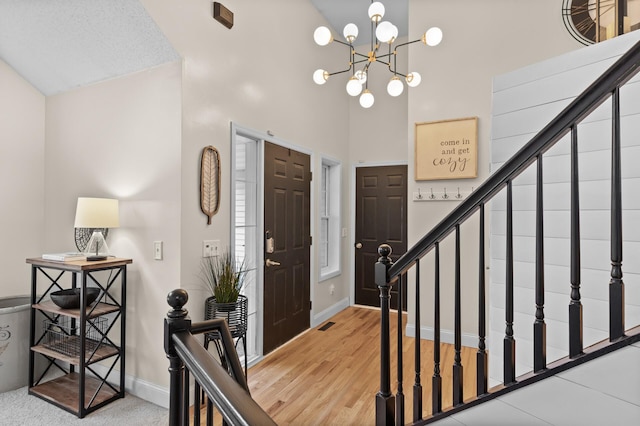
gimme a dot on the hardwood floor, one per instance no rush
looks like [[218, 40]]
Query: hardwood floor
[[331, 377]]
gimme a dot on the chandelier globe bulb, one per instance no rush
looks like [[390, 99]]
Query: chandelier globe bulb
[[384, 32], [320, 76], [432, 37], [322, 36], [350, 32], [394, 34], [366, 99], [361, 75], [395, 86], [354, 88], [413, 79], [376, 11]]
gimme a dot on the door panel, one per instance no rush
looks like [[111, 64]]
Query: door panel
[[381, 217], [287, 189]]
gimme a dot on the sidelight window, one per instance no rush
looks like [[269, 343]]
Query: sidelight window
[[329, 233]]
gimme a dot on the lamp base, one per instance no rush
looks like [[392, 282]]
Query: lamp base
[[95, 258]]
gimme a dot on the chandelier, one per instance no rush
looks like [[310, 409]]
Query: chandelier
[[382, 32]]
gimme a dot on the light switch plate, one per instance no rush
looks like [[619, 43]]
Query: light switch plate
[[157, 250], [210, 248]]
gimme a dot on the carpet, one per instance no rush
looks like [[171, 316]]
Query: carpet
[[20, 408]]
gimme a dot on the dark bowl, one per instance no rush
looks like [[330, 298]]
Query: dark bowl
[[70, 298]]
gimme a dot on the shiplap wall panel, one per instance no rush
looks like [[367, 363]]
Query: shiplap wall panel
[[524, 102], [564, 63]]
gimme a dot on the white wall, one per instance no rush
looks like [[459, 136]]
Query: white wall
[[481, 39], [524, 101], [258, 75], [139, 138], [121, 139], [22, 209]]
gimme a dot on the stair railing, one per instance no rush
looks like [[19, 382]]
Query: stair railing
[[390, 408], [227, 390]]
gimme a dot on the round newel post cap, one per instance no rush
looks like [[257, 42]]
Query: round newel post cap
[[384, 250], [177, 299]]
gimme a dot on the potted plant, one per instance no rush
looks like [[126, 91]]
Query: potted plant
[[225, 276]]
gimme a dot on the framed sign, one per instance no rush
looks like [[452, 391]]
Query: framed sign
[[446, 149]]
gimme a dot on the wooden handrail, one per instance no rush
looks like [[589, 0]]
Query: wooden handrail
[[228, 392], [233, 401]]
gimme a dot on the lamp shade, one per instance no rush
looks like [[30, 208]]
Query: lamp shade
[[97, 213]]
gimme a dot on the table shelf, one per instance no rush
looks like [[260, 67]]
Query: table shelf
[[63, 392], [81, 390]]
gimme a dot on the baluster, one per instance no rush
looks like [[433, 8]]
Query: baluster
[[436, 381], [417, 386], [210, 412], [539, 326], [185, 397], [575, 307], [385, 401], [457, 358], [482, 367], [197, 403], [509, 362], [400, 364], [616, 285]]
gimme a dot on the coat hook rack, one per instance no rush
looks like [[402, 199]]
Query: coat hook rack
[[441, 194]]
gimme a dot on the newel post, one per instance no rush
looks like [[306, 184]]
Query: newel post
[[385, 401], [176, 321]]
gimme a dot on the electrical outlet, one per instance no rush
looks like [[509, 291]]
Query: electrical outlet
[[157, 250], [210, 248], [332, 289]]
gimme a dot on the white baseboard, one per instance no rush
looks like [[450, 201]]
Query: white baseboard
[[321, 317], [140, 388], [446, 336]]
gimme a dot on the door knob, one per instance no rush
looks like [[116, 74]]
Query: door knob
[[270, 262], [358, 245]]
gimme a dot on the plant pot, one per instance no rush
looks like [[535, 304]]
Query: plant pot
[[235, 314]]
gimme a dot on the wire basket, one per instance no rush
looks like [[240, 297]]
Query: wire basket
[[63, 336], [234, 313]]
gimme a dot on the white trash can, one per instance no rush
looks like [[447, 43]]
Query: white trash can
[[14, 342]]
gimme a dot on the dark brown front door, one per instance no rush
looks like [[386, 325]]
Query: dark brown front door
[[381, 217], [287, 189]]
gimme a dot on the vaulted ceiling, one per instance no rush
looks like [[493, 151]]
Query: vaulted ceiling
[[58, 45]]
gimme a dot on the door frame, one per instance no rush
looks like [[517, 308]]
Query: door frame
[[352, 218], [260, 137]]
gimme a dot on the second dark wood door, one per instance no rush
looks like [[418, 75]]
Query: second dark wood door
[[287, 198], [381, 217]]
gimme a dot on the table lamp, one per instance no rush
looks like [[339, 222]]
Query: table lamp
[[96, 215]]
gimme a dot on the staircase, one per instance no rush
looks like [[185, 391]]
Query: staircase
[[603, 391], [405, 273]]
